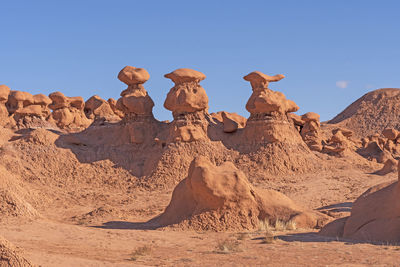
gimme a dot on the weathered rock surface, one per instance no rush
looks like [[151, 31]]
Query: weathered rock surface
[[211, 192], [187, 96], [371, 113], [135, 100], [98, 109], [68, 112], [11, 256], [375, 216]]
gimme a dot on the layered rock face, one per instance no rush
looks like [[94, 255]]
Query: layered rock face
[[211, 192], [375, 216], [68, 112], [188, 102], [268, 121]]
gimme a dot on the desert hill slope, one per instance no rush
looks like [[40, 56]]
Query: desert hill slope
[[371, 113]]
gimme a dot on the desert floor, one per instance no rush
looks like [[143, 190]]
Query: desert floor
[[110, 233]]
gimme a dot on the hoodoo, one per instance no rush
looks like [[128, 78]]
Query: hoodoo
[[68, 112], [188, 102], [135, 101], [268, 121]]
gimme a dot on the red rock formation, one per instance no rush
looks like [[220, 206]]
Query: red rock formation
[[98, 109], [188, 102], [269, 121], [375, 216], [68, 112], [4, 92], [135, 100], [310, 132], [187, 96], [211, 192]]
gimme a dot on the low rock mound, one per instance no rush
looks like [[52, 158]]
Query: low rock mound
[[13, 198], [221, 198], [371, 113], [10, 255], [375, 216]]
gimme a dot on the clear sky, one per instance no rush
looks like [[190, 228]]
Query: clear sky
[[332, 52]]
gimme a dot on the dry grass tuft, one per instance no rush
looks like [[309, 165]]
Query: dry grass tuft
[[268, 229], [227, 246], [277, 226], [140, 252]]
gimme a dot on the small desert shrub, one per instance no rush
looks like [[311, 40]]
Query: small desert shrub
[[278, 226], [140, 251], [264, 226], [269, 238], [228, 246], [283, 226]]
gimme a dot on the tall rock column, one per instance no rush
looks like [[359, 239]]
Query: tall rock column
[[137, 105], [188, 102], [268, 121]]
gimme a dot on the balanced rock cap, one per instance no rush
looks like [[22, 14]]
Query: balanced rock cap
[[310, 116], [131, 75], [185, 75], [259, 77]]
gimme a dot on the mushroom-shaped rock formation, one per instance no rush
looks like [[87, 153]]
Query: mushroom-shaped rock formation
[[187, 96], [4, 92], [269, 120], [375, 216], [98, 109], [339, 143], [38, 108], [135, 100], [211, 192], [310, 131], [188, 102], [18, 100], [68, 112], [264, 100], [29, 110]]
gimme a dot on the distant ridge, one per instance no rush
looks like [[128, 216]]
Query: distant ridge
[[371, 113]]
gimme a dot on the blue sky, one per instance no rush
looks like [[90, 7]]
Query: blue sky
[[332, 52]]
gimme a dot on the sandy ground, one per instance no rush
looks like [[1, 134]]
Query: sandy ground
[[101, 240], [54, 244], [85, 221]]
